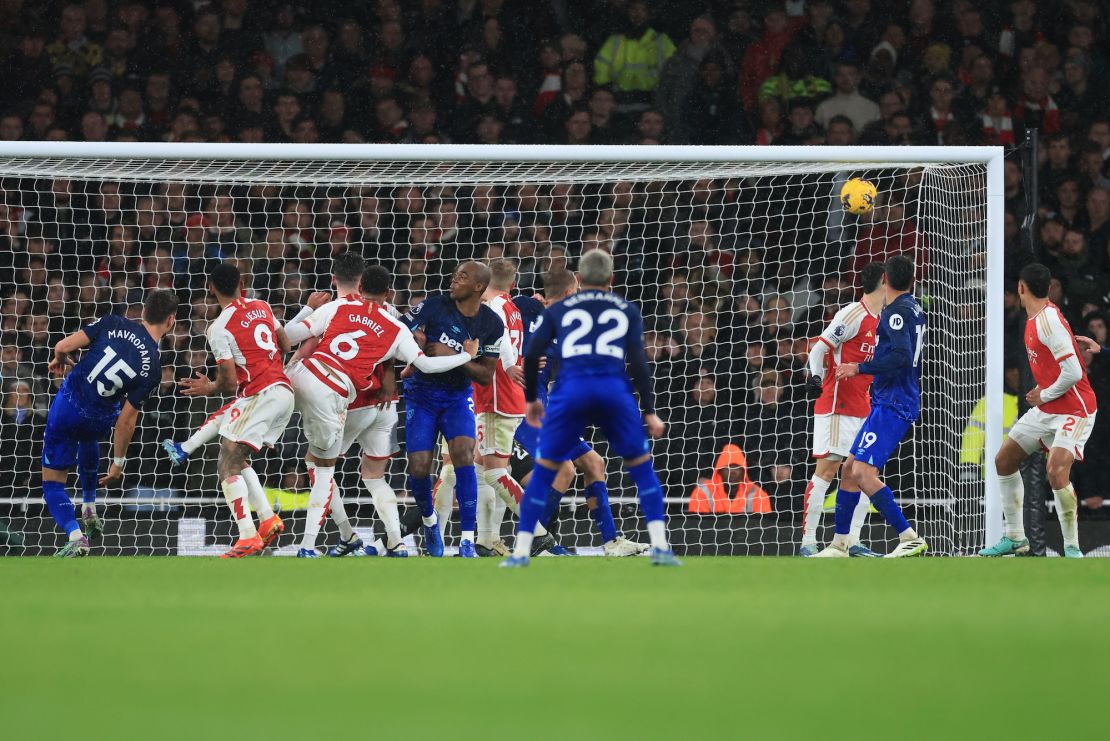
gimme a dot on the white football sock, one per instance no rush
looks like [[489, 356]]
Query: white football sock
[[1066, 509], [257, 495], [657, 532], [497, 510], [487, 499], [859, 516], [502, 484], [385, 504], [205, 434], [445, 498], [1013, 500], [317, 503], [523, 546], [339, 514], [467, 535], [816, 491], [236, 494], [842, 541]]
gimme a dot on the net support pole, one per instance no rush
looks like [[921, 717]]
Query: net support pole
[[992, 509]]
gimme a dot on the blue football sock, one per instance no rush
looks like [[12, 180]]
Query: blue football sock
[[883, 500], [846, 502], [534, 503], [88, 466], [60, 507], [649, 490], [603, 514], [466, 492], [421, 489], [554, 498]]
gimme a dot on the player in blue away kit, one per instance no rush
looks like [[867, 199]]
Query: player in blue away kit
[[105, 389], [600, 343], [443, 402], [558, 285], [895, 406]]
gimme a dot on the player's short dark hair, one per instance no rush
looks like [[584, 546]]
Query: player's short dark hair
[[1036, 278], [899, 272], [871, 276], [556, 283], [159, 306], [225, 279], [375, 280], [347, 267]]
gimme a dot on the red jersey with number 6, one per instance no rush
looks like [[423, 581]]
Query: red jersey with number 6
[[503, 395], [244, 333], [355, 336], [1049, 341]]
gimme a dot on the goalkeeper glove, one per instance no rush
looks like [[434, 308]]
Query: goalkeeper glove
[[813, 386]]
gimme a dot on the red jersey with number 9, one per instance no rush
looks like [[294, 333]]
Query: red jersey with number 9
[[503, 395], [245, 334], [355, 336]]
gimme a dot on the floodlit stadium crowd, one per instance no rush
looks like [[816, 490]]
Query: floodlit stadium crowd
[[735, 278]]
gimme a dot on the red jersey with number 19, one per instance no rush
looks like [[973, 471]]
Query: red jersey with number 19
[[244, 334], [1049, 341], [503, 395]]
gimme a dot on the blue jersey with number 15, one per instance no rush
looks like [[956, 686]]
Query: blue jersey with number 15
[[120, 363]]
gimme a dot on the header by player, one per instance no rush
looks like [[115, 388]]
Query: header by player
[[895, 406]]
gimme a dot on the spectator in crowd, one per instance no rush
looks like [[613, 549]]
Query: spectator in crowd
[[678, 81], [633, 59], [847, 100]]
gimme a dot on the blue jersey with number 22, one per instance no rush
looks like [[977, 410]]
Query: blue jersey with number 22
[[598, 339]]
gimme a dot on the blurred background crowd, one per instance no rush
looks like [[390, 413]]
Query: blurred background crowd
[[736, 275]]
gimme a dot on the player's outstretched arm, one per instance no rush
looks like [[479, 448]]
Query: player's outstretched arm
[[63, 352], [225, 384], [408, 352], [121, 441]]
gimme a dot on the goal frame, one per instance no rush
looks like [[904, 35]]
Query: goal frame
[[991, 157]]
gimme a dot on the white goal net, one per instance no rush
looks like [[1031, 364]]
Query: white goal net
[[737, 259]]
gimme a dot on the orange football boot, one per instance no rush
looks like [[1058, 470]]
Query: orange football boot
[[270, 529], [245, 547]]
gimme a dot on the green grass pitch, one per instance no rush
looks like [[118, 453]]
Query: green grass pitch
[[756, 648]]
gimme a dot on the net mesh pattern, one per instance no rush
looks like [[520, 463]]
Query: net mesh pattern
[[737, 268]]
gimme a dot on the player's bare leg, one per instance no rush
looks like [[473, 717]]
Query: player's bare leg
[[322, 478], [1007, 463], [1058, 466], [372, 472], [234, 457], [824, 473]]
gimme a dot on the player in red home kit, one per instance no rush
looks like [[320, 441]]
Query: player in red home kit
[[243, 339], [355, 337], [843, 404], [1060, 420]]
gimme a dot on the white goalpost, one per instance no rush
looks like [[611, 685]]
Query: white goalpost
[[738, 256]]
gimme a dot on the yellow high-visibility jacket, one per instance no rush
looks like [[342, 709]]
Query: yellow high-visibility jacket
[[974, 440], [632, 65]]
